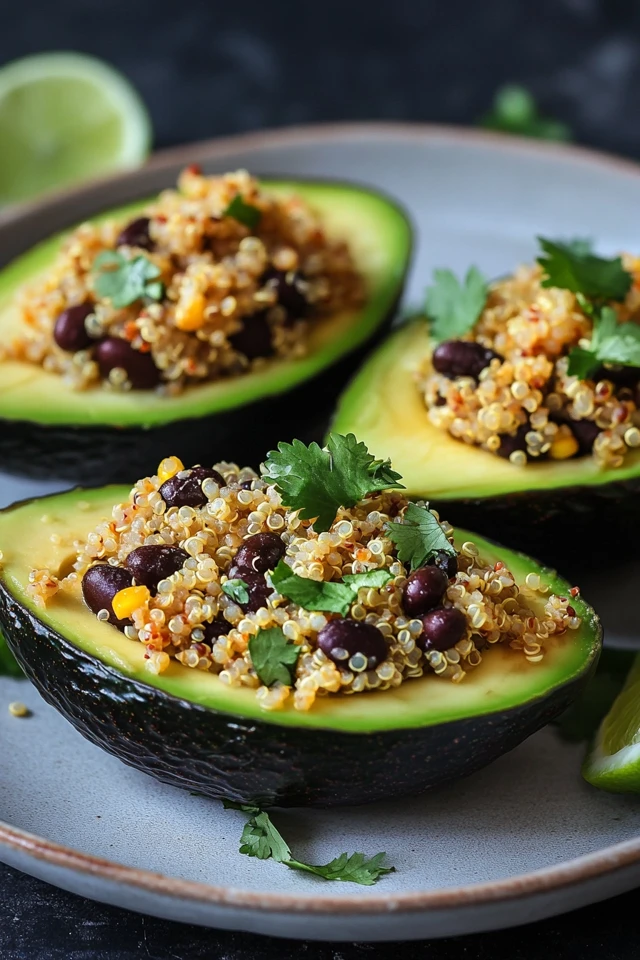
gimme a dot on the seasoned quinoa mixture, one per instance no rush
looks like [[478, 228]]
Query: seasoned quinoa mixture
[[208, 281], [506, 386], [162, 566]]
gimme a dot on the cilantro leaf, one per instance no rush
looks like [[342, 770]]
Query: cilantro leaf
[[583, 272], [244, 213], [261, 839], [453, 307], [237, 589], [418, 537], [581, 246], [124, 281], [515, 111], [317, 481], [273, 657], [372, 578], [353, 869], [611, 342], [312, 594]]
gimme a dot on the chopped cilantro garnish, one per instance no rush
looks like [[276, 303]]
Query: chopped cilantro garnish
[[453, 307], [236, 589], [329, 596], [273, 657], [318, 481], [244, 213], [261, 839], [515, 111], [611, 342], [124, 281], [418, 537], [581, 271]]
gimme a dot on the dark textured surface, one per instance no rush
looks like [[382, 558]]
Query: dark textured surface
[[250, 761], [214, 68]]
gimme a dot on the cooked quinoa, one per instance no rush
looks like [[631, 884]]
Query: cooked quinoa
[[224, 296], [188, 617], [522, 404]]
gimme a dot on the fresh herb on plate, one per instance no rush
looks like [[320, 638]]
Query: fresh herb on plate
[[330, 596], [515, 111], [124, 281], [244, 213], [582, 271], [273, 657], [8, 664], [611, 342], [453, 308], [418, 536], [318, 481], [237, 589], [261, 839]]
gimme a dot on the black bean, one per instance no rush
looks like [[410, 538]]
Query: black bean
[[115, 352], [152, 563], [442, 629], [511, 442], [216, 628], [462, 358], [254, 337], [257, 588], [100, 585], [187, 491], [136, 234], [618, 376], [287, 287], [69, 331], [260, 553], [585, 432], [342, 639], [447, 563], [423, 590]]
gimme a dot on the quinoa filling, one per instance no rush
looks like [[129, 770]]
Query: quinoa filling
[[535, 376], [207, 282], [212, 568]]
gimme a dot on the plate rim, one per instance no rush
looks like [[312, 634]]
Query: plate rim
[[604, 862]]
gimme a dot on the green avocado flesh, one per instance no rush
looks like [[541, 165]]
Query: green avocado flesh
[[503, 681], [385, 410], [379, 236]]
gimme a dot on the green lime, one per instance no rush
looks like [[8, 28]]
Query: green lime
[[614, 760], [65, 117]]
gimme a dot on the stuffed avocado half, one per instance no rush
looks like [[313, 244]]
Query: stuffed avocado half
[[516, 407], [200, 322], [250, 637]]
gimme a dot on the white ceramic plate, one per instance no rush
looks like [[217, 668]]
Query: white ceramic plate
[[523, 839]]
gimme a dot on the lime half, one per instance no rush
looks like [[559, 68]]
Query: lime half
[[64, 118], [614, 760]]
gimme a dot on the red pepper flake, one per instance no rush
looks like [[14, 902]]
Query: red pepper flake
[[571, 611], [160, 217], [147, 656], [194, 169], [575, 591], [499, 566]]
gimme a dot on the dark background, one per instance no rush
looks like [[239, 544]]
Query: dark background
[[212, 68]]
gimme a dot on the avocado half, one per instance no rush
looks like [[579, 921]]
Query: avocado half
[[48, 429], [187, 728], [567, 512]]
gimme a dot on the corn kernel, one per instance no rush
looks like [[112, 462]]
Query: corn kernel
[[128, 600], [563, 447], [191, 316], [169, 467]]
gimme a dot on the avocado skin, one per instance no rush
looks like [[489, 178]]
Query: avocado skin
[[101, 454], [255, 762]]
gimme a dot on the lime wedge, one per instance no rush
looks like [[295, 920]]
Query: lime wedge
[[64, 118], [614, 760]]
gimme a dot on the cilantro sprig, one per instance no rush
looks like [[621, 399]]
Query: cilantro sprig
[[611, 342], [274, 658], [318, 481], [237, 589], [576, 268], [243, 212], [124, 281], [418, 536], [261, 839], [329, 596], [453, 308]]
